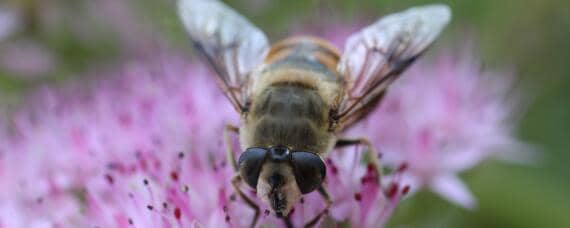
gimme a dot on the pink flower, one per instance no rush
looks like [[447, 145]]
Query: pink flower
[[359, 196], [443, 118], [144, 146], [68, 137]]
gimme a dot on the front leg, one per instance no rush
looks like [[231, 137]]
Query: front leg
[[230, 155], [328, 202], [235, 183], [373, 156]]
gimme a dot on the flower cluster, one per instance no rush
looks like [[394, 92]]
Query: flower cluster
[[443, 118], [76, 144], [143, 146]]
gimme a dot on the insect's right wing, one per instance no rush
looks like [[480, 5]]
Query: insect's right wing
[[379, 53], [229, 42]]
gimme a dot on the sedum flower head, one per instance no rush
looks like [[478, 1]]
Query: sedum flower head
[[445, 117], [143, 146]]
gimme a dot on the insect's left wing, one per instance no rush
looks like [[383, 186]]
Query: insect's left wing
[[378, 54], [229, 42]]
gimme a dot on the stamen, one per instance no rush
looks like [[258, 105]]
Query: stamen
[[402, 167], [358, 197], [392, 190], [370, 167], [406, 190], [109, 178], [177, 213], [185, 188], [174, 175], [334, 170], [333, 167]]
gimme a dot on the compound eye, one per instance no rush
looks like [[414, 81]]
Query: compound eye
[[309, 169], [250, 163]]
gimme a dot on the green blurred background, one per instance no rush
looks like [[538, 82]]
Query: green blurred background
[[530, 37]]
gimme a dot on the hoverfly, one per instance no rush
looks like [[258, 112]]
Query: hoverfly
[[296, 97]]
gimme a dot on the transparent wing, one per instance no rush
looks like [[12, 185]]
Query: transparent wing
[[228, 41], [378, 54]]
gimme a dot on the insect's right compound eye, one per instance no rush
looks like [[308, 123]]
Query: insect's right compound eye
[[250, 163]]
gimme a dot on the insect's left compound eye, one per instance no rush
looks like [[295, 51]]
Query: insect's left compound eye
[[250, 163], [309, 169]]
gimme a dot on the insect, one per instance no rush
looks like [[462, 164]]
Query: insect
[[297, 96]]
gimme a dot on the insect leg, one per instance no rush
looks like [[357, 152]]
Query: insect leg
[[373, 156], [235, 183], [230, 155], [287, 221], [328, 202]]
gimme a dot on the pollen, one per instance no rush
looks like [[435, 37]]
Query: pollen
[[185, 188]]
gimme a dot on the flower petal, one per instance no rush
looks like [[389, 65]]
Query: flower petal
[[453, 189]]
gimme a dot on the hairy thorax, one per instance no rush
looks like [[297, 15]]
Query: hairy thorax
[[291, 115], [292, 96]]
